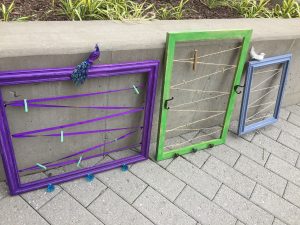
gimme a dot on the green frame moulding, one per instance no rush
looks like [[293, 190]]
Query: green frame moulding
[[174, 37]]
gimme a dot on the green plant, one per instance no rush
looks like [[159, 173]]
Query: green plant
[[251, 8], [169, 11], [288, 9], [6, 11], [103, 9]]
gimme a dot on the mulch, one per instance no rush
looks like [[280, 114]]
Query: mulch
[[44, 11]]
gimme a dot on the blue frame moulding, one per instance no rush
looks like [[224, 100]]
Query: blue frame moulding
[[285, 61]]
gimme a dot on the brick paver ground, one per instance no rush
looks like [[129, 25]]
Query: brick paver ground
[[252, 180]]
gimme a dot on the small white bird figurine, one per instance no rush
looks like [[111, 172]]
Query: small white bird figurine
[[256, 56]]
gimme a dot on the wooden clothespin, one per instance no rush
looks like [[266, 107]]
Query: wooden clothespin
[[195, 59]]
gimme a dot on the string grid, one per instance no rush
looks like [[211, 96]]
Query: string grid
[[261, 107], [195, 127], [80, 157]]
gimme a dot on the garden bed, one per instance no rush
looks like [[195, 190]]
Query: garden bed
[[53, 10]]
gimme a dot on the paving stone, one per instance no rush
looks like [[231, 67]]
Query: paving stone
[[3, 190], [294, 109], [39, 197], [241, 208], [271, 132], [247, 148], [224, 153], [125, 184], [160, 210], [83, 191], [229, 176], [63, 209], [294, 119], [158, 178], [284, 113], [284, 169], [276, 148], [202, 209], [278, 222], [234, 128], [298, 163], [240, 223], [15, 211], [113, 210], [288, 127], [193, 176], [289, 141], [152, 155], [261, 175], [292, 194], [274, 204], [198, 158]]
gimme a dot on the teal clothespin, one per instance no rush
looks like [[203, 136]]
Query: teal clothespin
[[41, 166], [50, 188], [90, 177], [61, 136], [25, 105], [79, 161], [136, 90], [124, 167]]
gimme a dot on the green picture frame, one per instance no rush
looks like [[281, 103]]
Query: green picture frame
[[172, 39]]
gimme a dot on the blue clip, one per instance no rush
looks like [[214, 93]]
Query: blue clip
[[61, 136], [41, 166], [124, 167], [25, 105], [90, 177], [136, 90], [79, 161], [50, 188]]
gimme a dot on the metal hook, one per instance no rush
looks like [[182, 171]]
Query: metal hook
[[166, 102], [238, 86]]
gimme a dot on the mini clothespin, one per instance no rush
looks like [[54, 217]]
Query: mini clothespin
[[61, 136], [41, 166], [50, 188], [136, 90], [90, 177], [124, 167], [79, 161], [195, 59], [25, 105]]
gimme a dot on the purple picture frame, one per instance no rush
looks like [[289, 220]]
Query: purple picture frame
[[150, 67]]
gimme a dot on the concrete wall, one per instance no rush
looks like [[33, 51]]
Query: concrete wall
[[60, 44]]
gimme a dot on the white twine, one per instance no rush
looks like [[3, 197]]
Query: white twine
[[193, 110], [198, 78], [215, 53], [182, 143], [199, 91], [201, 100], [205, 63], [197, 121], [252, 89]]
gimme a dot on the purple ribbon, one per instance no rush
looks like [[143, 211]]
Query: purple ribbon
[[76, 133], [78, 123], [18, 102], [85, 158]]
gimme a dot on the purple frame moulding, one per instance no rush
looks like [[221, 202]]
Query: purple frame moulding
[[281, 59], [150, 67]]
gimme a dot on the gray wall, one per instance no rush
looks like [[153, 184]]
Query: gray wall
[[60, 44]]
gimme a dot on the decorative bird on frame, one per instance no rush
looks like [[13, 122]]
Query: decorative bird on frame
[[80, 73], [256, 56]]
